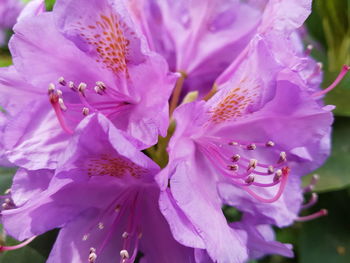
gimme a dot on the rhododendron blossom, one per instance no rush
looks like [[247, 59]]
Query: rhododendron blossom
[[86, 65], [103, 196], [87, 97]]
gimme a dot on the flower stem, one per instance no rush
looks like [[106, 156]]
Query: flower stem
[[211, 93], [177, 92]]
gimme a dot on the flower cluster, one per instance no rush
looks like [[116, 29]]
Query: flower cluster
[[87, 99]]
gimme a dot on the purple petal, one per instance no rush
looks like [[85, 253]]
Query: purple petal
[[197, 203], [34, 143], [28, 184]]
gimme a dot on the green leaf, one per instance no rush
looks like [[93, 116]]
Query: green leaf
[[22, 255], [43, 243], [329, 24], [231, 213], [335, 173], [191, 96], [49, 4], [5, 61], [315, 27], [6, 175], [327, 239], [340, 95]]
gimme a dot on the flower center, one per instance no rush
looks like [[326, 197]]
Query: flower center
[[72, 102], [109, 36], [114, 166]]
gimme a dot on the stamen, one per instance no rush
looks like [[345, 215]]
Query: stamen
[[233, 167], [283, 157], [317, 70], [124, 254], [278, 175], [322, 212], [319, 66], [62, 81], [98, 90], [308, 50], [125, 235], [92, 255], [252, 169], [251, 147], [252, 164], [270, 144], [82, 87], [283, 183], [250, 179], [72, 86], [23, 244], [266, 185], [86, 111], [51, 88], [310, 187], [58, 107], [7, 203], [341, 75], [62, 105], [313, 200], [101, 225], [270, 169], [101, 85], [59, 93], [236, 158]]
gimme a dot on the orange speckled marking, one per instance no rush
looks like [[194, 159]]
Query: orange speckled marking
[[113, 166], [109, 37], [235, 103]]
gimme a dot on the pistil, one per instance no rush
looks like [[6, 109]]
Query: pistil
[[23, 244], [341, 75]]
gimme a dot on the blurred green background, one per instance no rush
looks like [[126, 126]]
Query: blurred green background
[[323, 240]]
